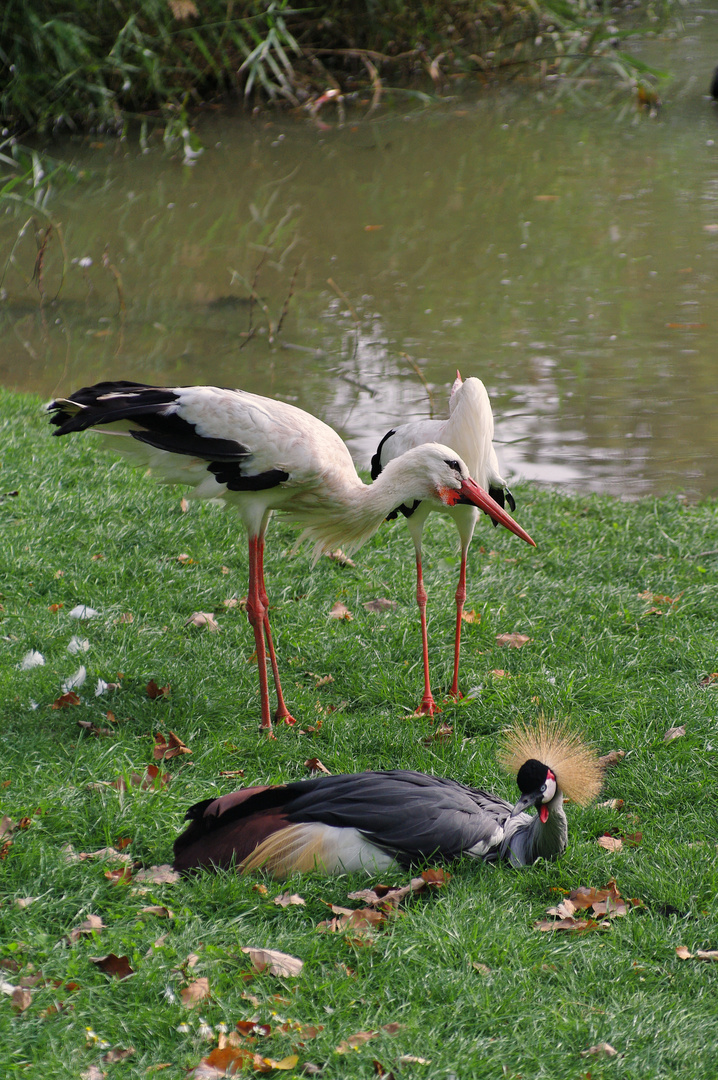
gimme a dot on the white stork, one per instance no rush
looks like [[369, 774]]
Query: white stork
[[469, 431], [262, 455], [375, 821]]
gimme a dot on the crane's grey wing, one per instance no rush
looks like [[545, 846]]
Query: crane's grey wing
[[411, 815]]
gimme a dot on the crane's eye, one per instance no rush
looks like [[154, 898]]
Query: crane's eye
[[543, 787]]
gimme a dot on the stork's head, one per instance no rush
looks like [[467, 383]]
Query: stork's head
[[447, 480], [538, 787]]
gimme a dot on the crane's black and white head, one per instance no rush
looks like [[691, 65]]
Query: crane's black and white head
[[538, 787], [549, 761]]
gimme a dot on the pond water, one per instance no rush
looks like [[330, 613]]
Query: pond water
[[562, 247]]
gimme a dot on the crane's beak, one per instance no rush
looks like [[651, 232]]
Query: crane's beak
[[471, 493], [533, 798]]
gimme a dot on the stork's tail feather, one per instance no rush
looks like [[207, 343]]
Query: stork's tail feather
[[575, 764]]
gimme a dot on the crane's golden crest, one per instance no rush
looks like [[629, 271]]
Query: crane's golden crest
[[576, 765]]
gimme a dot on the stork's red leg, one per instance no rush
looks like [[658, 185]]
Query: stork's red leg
[[257, 613], [460, 601], [282, 712], [427, 705]]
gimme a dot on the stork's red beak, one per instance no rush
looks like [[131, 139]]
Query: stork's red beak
[[472, 493]]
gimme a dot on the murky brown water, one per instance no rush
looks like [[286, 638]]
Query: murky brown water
[[564, 251]]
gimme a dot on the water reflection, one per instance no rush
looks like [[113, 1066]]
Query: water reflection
[[568, 256]]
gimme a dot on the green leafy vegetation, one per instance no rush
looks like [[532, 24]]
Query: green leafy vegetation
[[618, 603], [99, 65]]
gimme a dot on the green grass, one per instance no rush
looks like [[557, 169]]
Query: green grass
[[624, 676]]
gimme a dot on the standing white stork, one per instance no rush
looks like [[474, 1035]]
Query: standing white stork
[[374, 821], [469, 431], [262, 455]]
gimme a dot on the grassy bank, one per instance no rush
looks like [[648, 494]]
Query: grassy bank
[[99, 66], [619, 603]]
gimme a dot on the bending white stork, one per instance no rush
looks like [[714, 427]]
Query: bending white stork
[[262, 455], [469, 431], [374, 821]]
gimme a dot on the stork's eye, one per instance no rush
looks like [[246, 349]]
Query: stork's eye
[[454, 465]]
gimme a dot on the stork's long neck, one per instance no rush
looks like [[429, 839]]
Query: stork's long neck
[[351, 512], [534, 839]]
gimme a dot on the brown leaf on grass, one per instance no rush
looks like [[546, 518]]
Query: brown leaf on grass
[[122, 876], [92, 729], [674, 733], [357, 920], [154, 691], [410, 1059], [118, 1054], [93, 1073], [195, 992], [159, 910], [323, 680], [185, 560], [603, 1049], [483, 969], [612, 758], [611, 804], [709, 680], [514, 641], [72, 856], [340, 557], [380, 605], [24, 901], [54, 608], [340, 611], [314, 765], [700, 954], [152, 778], [117, 966], [577, 925], [65, 700], [234, 602], [93, 924], [361, 1037], [126, 617], [610, 843], [442, 734], [21, 999], [203, 618], [184, 505], [289, 899], [232, 774], [277, 963], [221, 1062], [158, 875], [471, 616], [7, 825], [166, 749], [436, 878], [499, 673]]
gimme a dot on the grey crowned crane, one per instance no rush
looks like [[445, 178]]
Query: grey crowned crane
[[374, 821], [469, 430], [262, 455]]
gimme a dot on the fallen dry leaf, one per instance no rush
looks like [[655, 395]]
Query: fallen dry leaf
[[184, 505], [126, 617], [289, 899], [165, 750], [604, 1049], [674, 733], [611, 804], [117, 966], [158, 875], [152, 778], [122, 876], [203, 618], [159, 910], [347, 1045], [277, 963], [483, 969], [65, 700], [234, 602], [195, 992], [514, 641], [340, 557], [700, 954], [93, 924], [380, 605], [118, 1054], [577, 925], [185, 560], [610, 843], [340, 611], [21, 999], [155, 691], [442, 734], [612, 758], [471, 616], [93, 1073], [314, 765]]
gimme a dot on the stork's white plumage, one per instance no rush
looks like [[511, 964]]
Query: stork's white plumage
[[374, 821], [469, 431], [262, 455]]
